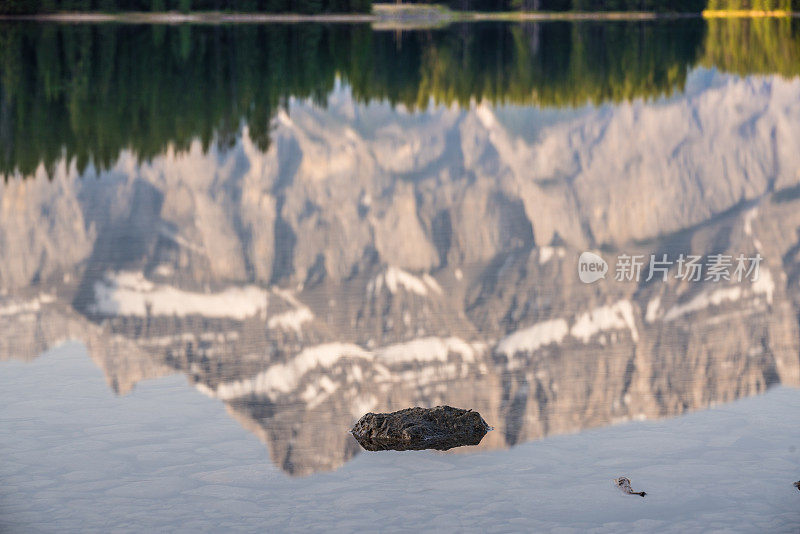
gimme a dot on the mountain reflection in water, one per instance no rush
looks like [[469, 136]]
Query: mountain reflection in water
[[358, 257]]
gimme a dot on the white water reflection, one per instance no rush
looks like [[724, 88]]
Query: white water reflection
[[77, 458]]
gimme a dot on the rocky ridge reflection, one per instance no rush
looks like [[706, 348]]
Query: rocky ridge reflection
[[372, 260]]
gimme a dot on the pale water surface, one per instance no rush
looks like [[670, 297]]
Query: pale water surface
[[220, 246]]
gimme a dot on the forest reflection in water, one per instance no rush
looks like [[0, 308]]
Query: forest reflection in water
[[93, 90], [336, 255]]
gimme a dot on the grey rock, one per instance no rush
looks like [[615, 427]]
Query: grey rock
[[440, 428]]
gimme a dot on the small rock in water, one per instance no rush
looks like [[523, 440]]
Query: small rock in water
[[797, 484], [624, 484], [414, 429]]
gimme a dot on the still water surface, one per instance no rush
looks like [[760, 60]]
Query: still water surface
[[221, 245]]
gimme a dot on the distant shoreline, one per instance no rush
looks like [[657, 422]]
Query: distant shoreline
[[745, 13], [384, 15]]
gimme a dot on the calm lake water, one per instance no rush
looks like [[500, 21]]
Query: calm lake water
[[221, 245]]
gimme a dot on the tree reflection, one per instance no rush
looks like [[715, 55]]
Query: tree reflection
[[90, 91]]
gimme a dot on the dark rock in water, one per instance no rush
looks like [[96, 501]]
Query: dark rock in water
[[414, 429], [797, 484]]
